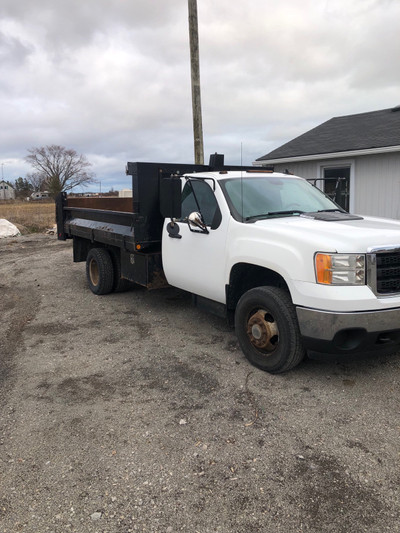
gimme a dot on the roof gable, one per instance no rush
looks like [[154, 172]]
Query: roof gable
[[3, 183], [376, 129]]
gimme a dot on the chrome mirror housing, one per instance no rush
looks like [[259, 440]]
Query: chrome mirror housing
[[195, 220]]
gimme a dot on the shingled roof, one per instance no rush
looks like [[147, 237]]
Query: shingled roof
[[364, 131]]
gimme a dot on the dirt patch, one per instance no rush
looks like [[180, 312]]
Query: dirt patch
[[136, 412]]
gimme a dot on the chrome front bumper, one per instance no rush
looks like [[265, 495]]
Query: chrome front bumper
[[332, 332]]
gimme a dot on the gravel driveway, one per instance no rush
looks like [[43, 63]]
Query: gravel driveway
[[137, 412]]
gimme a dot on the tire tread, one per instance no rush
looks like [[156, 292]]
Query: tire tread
[[281, 299], [106, 271]]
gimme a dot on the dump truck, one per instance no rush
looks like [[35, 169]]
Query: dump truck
[[293, 272]]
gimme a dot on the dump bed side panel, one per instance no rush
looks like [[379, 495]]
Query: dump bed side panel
[[107, 203]]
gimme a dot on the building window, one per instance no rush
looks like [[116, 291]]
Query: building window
[[337, 185]]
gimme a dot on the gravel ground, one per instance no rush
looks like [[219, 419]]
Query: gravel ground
[[137, 412]]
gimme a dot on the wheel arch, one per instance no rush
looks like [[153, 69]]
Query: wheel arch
[[246, 276], [82, 246]]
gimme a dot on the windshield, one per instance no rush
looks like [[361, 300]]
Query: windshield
[[263, 197]]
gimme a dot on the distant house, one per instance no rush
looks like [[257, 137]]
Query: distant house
[[40, 195], [6, 191], [358, 156]]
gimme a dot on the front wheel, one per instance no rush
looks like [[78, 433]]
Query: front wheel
[[267, 329]]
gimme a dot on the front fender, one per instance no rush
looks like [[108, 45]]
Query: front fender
[[267, 249]]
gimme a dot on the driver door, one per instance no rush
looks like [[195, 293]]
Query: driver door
[[195, 259]]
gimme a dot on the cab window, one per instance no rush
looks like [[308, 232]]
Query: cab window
[[197, 195]]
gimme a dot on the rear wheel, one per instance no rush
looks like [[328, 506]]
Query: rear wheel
[[99, 271], [267, 329]]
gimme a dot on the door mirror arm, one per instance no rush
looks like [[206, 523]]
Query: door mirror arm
[[173, 229]]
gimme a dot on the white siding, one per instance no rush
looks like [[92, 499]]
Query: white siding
[[306, 169], [378, 185]]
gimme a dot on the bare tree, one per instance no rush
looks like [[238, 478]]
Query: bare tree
[[58, 168], [36, 180]]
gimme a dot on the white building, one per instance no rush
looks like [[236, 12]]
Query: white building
[[358, 156], [40, 195], [125, 193], [6, 191]]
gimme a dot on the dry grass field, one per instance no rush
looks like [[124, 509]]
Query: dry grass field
[[29, 217]]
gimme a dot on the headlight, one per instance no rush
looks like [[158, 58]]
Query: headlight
[[340, 269]]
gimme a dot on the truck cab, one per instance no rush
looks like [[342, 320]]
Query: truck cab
[[290, 269], [264, 244]]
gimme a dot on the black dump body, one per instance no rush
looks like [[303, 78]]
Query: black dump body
[[123, 222], [127, 222]]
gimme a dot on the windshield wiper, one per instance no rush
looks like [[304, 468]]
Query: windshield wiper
[[290, 212], [274, 213]]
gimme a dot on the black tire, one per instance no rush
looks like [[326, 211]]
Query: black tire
[[120, 284], [267, 329], [99, 271]]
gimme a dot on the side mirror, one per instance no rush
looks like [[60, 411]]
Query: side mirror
[[195, 220], [170, 197]]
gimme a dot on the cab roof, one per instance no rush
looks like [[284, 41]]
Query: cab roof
[[242, 174]]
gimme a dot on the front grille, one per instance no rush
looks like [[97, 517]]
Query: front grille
[[388, 272]]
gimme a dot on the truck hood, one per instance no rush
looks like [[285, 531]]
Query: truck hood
[[334, 236]]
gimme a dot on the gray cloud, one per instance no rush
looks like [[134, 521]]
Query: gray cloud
[[112, 80]]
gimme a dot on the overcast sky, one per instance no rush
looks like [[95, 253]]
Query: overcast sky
[[111, 79]]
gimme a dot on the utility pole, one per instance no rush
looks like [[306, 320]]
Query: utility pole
[[195, 74]]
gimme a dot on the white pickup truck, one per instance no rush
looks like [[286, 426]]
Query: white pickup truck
[[292, 270]]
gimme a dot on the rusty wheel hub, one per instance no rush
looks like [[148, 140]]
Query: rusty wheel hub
[[94, 272], [263, 331]]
